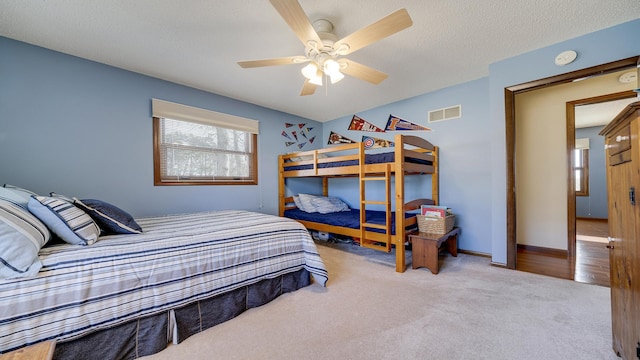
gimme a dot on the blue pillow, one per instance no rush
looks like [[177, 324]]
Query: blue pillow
[[66, 220], [15, 195], [23, 235], [327, 205], [110, 218]]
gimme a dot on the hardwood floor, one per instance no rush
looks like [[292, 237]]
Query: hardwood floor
[[591, 264]]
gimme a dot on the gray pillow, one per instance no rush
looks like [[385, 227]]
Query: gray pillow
[[327, 205], [66, 220], [23, 235]]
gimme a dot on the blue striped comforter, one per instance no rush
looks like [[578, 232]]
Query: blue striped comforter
[[176, 260]]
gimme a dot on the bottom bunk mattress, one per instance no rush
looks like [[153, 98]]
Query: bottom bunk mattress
[[348, 219], [177, 261]]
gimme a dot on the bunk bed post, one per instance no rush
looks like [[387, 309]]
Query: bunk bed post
[[325, 186], [281, 191], [435, 178], [399, 178]]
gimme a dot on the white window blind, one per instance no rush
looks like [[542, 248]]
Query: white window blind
[[170, 110]]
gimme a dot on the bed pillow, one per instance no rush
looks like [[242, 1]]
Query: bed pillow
[[23, 235], [66, 220], [296, 200], [306, 203], [15, 195], [110, 218], [307, 157], [327, 205]]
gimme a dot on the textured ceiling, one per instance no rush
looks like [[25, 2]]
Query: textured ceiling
[[198, 42]]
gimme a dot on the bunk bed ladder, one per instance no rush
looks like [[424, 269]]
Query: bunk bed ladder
[[375, 239]]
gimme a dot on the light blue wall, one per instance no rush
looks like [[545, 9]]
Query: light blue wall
[[464, 155], [473, 180], [81, 128], [84, 129], [607, 45], [595, 205]]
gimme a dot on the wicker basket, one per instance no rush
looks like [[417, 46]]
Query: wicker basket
[[435, 225]]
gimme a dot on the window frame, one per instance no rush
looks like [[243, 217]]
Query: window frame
[[584, 179], [157, 162]]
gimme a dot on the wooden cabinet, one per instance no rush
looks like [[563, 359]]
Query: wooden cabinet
[[622, 144]]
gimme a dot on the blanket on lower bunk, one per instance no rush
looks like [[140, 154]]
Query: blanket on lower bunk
[[349, 219], [176, 260]]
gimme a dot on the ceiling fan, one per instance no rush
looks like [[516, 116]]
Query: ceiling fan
[[323, 50]]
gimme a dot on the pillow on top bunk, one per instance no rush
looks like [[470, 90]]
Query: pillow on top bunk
[[23, 235], [307, 157], [64, 219], [110, 218]]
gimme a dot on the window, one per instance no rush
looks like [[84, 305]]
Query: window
[[197, 150], [581, 171]]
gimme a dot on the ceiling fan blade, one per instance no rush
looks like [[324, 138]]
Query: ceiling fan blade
[[362, 72], [387, 26], [294, 15], [271, 62], [308, 88]]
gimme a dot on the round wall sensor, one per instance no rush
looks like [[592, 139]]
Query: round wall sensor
[[629, 76], [566, 57]]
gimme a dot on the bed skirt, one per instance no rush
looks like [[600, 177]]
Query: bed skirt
[[151, 334]]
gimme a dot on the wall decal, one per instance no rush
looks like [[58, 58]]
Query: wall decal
[[335, 138], [284, 133], [398, 124], [374, 143], [298, 134], [358, 123]]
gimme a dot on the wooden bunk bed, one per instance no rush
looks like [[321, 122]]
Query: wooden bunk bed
[[411, 156]]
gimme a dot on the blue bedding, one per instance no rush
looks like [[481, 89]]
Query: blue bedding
[[379, 158], [349, 219]]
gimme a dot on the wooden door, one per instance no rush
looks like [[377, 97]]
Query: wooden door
[[623, 178]]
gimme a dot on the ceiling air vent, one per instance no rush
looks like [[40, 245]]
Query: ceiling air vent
[[449, 113]]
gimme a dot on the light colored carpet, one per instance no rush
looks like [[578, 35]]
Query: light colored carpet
[[470, 310]]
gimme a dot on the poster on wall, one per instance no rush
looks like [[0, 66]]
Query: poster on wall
[[335, 138], [374, 143], [297, 134], [358, 123], [396, 123]]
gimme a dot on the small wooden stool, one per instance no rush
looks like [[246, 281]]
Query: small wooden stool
[[426, 247]]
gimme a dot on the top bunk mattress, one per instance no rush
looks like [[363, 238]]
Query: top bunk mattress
[[380, 158]]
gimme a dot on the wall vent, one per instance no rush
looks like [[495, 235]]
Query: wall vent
[[452, 112]]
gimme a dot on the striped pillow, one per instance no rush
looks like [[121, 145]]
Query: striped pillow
[[23, 235], [66, 220]]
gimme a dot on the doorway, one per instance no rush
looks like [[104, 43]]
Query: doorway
[[510, 111]]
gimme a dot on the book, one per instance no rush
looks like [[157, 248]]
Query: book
[[434, 211]]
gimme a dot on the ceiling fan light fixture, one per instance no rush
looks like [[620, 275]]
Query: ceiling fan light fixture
[[310, 71], [317, 79], [336, 77]]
